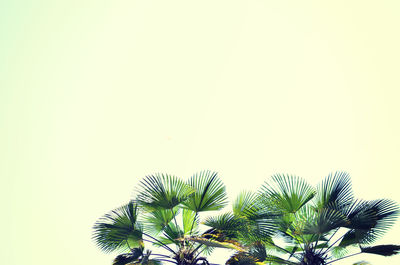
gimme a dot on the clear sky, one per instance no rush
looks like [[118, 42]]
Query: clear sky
[[94, 95]]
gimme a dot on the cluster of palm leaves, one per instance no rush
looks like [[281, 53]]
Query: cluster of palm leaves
[[287, 221], [163, 214]]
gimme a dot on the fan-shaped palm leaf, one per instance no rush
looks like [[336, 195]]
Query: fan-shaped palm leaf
[[172, 234], [118, 229], [209, 192], [368, 220], [288, 193], [339, 251], [378, 215], [162, 191], [334, 189], [356, 236], [321, 221], [261, 215], [245, 204], [156, 220], [225, 226]]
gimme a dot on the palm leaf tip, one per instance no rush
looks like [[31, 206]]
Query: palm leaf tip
[[383, 250]]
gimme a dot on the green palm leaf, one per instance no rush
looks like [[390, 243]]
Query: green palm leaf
[[162, 191], [118, 229], [157, 219], [225, 226], [322, 221], [339, 251], [288, 193], [190, 221], [209, 192], [245, 204], [172, 234]]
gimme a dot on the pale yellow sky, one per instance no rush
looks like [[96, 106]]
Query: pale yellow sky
[[94, 95]]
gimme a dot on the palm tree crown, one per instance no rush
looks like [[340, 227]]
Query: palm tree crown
[[290, 222], [164, 214]]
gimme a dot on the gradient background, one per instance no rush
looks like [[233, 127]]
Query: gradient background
[[97, 94]]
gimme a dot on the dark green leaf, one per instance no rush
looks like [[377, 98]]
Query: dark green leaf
[[383, 250]]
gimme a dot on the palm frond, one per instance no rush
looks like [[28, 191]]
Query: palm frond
[[339, 251], [262, 217], [118, 229], [288, 193], [171, 234], [257, 250], [225, 226], [368, 220], [377, 214], [157, 219], [322, 221], [163, 191], [128, 257], [245, 204], [383, 250], [209, 192], [335, 188], [206, 250], [356, 236], [147, 261]]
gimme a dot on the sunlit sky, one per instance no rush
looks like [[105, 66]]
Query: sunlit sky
[[95, 95]]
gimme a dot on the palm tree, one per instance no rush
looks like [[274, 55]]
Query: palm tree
[[163, 214], [290, 222]]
